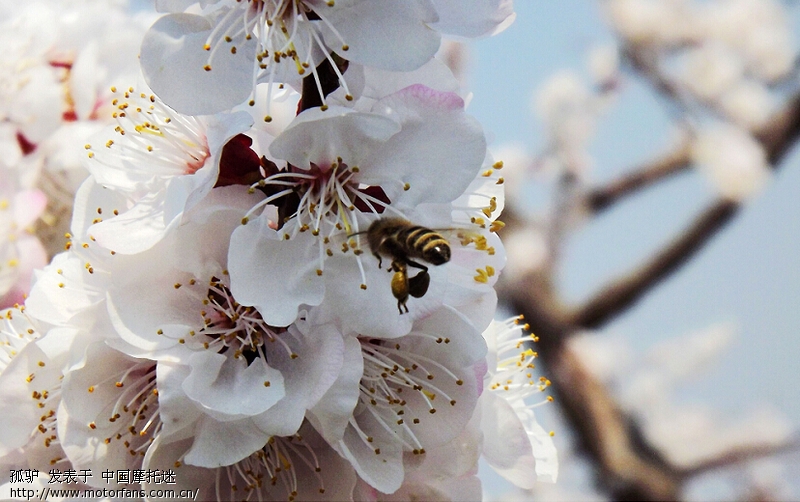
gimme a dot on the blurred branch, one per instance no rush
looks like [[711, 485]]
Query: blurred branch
[[627, 468], [777, 136], [643, 60], [563, 207], [674, 162], [780, 133], [740, 454], [623, 293]]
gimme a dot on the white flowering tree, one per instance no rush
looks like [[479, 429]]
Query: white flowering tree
[[725, 72], [282, 256]]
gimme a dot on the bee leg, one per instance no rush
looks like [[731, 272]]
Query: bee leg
[[417, 265], [402, 305]]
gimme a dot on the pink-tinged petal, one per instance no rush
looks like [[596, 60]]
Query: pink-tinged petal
[[365, 493], [438, 141], [447, 472], [32, 257], [368, 84], [332, 413], [442, 490], [230, 386], [173, 60], [473, 18], [389, 35], [28, 205], [287, 271], [19, 414], [321, 137], [506, 445], [177, 411], [224, 443]]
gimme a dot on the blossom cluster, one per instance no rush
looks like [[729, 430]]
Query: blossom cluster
[[278, 276], [726, 61]]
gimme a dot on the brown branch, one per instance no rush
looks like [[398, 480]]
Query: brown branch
[[627, 468], [643, 59], [739, 454], [780, 133], [777, 137], [624, 292], [673, 163]]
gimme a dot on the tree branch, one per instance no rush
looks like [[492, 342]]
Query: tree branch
[[738, 455], [777, 137], [627, 468], [623, 293], [674, 162]]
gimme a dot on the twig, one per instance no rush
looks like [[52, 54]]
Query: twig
[[674, 162], [778, 136], [626, 467], [739, 454], [623, 293]]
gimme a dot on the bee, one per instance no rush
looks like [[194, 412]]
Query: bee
[[404, 242]]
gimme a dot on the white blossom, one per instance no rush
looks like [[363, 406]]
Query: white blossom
[[233, 45], [734, 161], [515, 445], [402, 396], [347, 168]]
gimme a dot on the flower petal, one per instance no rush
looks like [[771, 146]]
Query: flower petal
[[173, 55], [389, 35], [438, 141], [322, 137], [287, 269], [229, 386]]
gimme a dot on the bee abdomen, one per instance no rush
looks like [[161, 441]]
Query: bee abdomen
[[427, 244]]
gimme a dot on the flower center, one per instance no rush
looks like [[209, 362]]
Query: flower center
[[230, 326], [325, 201], [133, 417], [154, 140], [284, 32], [398, 387], [275, 465]]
